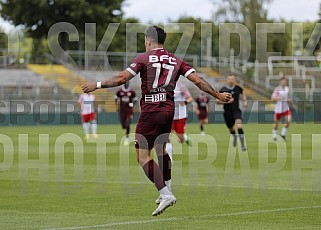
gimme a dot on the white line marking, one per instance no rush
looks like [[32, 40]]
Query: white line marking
[[260, 211], [120, 223], [185, 217]]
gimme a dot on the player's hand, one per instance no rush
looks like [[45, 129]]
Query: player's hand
[[89, 87], [225, 97], [230, 101]]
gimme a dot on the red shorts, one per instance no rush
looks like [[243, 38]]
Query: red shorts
[[153, 128], [179, 125], [88, 117], [278, 116]]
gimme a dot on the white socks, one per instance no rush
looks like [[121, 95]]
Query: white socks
[[94, 128], [86, 127], [169, 150], [283, 132], [169, 185], [275, 132], [185, 137], [165, 192]]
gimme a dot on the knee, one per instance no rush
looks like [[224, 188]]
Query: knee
[[141, 158], [239, 125], [289, 121], [159, 149], [181, 138]]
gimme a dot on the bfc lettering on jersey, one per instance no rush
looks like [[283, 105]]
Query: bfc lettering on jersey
[[162, 58]]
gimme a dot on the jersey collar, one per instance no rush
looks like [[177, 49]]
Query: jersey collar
[[230, 87]]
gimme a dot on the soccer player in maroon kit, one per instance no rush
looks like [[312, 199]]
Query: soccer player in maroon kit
[[202, 110], [159, 71], [127, 98]]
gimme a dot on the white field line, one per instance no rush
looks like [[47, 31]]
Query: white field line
[[185, 217]]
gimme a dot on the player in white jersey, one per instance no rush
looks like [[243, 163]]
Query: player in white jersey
[[87, 110], [282, 109], [181, 97]]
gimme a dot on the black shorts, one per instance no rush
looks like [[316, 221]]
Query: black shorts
[[153, 128], [231, 116]]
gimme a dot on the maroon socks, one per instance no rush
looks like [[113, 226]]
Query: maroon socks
[[153, 172], [165, 166]]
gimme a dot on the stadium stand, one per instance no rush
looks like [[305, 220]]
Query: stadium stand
[[71, 82]]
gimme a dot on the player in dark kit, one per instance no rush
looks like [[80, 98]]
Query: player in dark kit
[[232, 111], [159, 71], [127, 98], [202, 110]]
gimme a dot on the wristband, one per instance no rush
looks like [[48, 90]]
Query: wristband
[[98, 85]]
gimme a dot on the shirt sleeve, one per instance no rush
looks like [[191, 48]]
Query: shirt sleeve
[[134, 94], [135, 67], [186, 69], [184, 91], [80, 99], [275, 94]]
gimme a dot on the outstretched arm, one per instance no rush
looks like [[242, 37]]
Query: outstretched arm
[[197, 111], [203, 85], [117, 80], [219, 102], [244, 99], [275, 96]]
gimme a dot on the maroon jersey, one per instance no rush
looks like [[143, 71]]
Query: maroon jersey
[[127, 98], [159, 71], [202, 102]]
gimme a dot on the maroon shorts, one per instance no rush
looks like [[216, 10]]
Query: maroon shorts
[[179, 125], [88, 117], [153, 128], [203, 115], [125, 119]]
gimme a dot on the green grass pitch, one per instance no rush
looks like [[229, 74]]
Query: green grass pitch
[[212, 191]]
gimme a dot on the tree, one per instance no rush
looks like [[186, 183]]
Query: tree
[[3, 39], [193, 32], [37, 16], [247, 12]]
